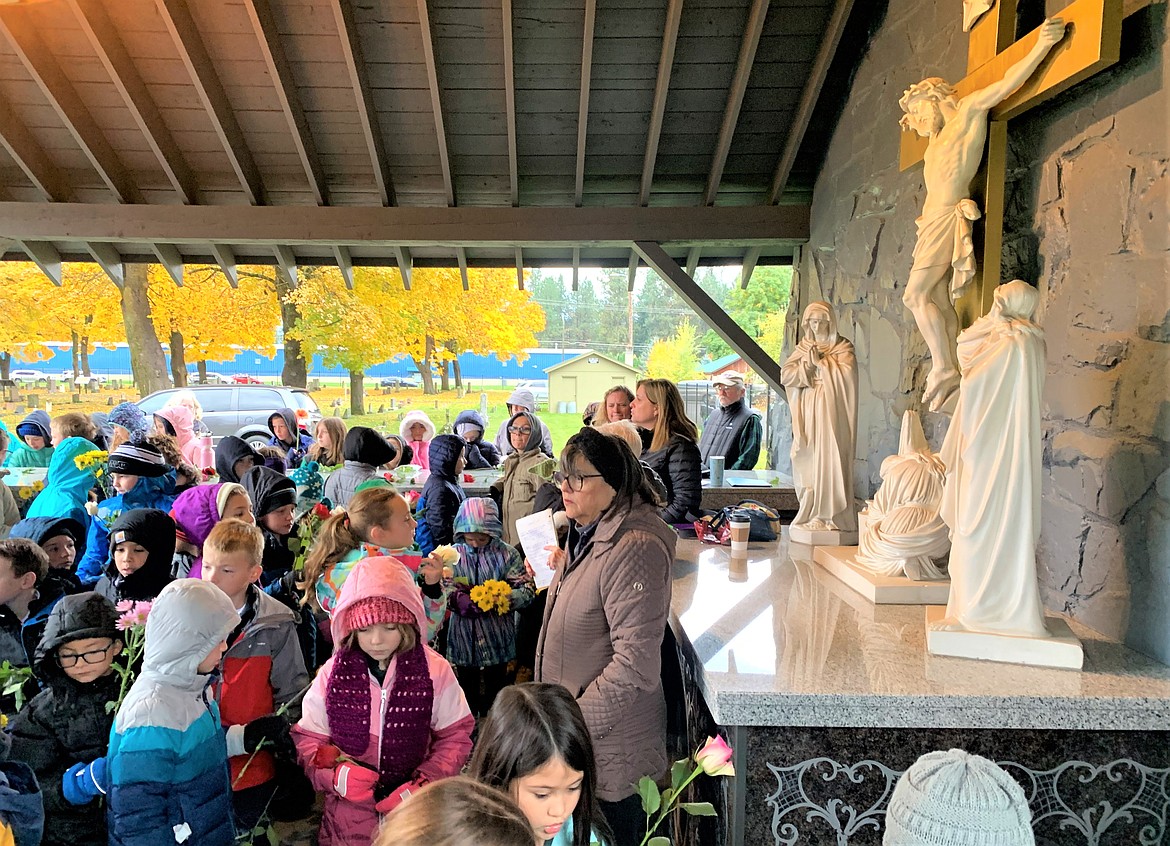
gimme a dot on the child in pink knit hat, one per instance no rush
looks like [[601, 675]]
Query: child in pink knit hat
[[385, 715]]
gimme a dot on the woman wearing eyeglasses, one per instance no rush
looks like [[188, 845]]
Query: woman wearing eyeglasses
[[673, 451], [605, 617], [516, 489]]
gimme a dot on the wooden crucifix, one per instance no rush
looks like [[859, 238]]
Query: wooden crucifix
[[1004, 79]]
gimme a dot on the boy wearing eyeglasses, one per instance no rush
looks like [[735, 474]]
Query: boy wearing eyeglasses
[[64, 731]]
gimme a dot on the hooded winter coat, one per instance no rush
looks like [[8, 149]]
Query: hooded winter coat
[[149, 492], [66, 723], [9, 511], [522, 398], [602, 636], [196, 449], [517, 487], [296, 449], [364, 451], [440, 497], [167, 764], [269, 491], [41, 530], [154, 530], [22, 813], [348, 823], [21, 454], [480, 454], [476, 638], [66, 488], [263, 670], [195, 512], [230, 450], [421, 448], [19, 638]]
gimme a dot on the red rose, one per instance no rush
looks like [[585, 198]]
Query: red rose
[[326, 757], [321, 511], [467, 477]]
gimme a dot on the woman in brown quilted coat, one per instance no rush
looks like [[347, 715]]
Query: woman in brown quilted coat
[[605, 618]]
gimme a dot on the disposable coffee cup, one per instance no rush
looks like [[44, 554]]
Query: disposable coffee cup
[[717, 465], [740, 529]]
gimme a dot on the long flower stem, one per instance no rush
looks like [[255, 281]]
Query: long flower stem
[[666, 807]]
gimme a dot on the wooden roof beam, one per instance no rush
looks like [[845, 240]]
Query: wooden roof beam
[[287, 262], [226, 259], [583, 101], [520, 268], [632, 271], [405, 264], [739, 83], [193, 53], [750, 259], [45, 176], [264, 25], [46, 257], [110, 261], [461, 257], [711, 313], [344, 264], [424, 19], [808, 97], [510, 104], [661, 89], [111, 52], [171, 260], [576, 267], [39, 61], [693, 259], [368, 117]]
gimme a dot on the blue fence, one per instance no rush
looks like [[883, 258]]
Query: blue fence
[[117, 361]]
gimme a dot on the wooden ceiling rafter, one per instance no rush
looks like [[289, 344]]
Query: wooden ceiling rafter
[[46, 177], [49, 77], [188, 42], [808, 98], [45, 256], [225, 257], [269, 38], [172, 261], [661, 89], [583, 100], [461, 258], [428, 44], [750, 258], [510, 103], [344, 263], [743, 71]]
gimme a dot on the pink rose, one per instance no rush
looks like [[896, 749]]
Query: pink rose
[[715, 757]]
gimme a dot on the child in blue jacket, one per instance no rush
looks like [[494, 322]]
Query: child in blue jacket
[[441, 494], [167, 769]]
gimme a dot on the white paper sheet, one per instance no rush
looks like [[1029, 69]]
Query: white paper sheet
[[537, 531]]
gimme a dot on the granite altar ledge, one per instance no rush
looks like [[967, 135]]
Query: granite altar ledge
[[790, 645]]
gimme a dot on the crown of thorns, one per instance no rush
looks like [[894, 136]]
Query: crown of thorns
[[932, 88]]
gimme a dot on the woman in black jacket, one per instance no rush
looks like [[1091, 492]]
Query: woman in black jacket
[[673, 451]]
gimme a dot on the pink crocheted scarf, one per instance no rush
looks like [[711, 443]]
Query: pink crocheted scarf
[[406, 727]]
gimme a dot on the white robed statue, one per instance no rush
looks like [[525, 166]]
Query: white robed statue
[[903, 533], [992, 452], [821, 381]]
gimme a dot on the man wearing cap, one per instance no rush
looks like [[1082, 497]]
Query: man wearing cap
[[734, 430]]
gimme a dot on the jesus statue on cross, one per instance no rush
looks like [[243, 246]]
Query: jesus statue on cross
[[957, 133]]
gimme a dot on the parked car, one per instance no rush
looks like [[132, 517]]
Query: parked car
[[399, 382], [243, 410], [539, 389], [31, 377], [213, 378], [245, 379], [81, 380]]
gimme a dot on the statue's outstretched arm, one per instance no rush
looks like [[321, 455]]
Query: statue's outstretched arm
[[988, 98]]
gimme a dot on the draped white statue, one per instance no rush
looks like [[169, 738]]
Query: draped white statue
[[821, 381], [992, 452], [903, 534]]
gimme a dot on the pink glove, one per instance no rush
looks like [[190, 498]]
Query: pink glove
[[398, 797], [354, 783]]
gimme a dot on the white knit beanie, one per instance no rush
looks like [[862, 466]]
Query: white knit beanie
[[955, 799]]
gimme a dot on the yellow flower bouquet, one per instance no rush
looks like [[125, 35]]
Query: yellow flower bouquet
[[493, 595]]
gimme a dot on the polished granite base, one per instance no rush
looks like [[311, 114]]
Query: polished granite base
[[826, 698], [841, 561], [1063, 649]]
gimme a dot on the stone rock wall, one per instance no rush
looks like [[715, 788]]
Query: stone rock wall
[[1087, 223]]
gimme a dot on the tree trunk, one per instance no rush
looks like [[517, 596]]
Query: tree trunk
[[146, 353], [445, 376], [424, 366], [178, 360], [202, 365], [455, 364], [5, 365], [76, 354], [85, 356], [295, 372], [357, 395]]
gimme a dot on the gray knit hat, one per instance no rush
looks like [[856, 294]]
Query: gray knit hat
[[955, 799]]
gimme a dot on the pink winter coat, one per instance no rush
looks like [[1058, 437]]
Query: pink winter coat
[[196, 449], [347, 823]]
